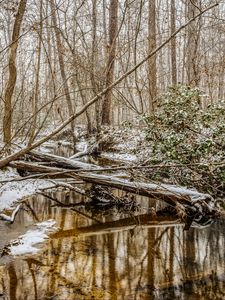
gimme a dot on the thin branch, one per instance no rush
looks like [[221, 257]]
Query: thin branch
[[5, 161]]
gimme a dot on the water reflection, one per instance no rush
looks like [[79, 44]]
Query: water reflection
[[138, 257]]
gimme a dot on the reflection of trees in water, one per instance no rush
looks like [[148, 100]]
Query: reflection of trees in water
[[118, 260]]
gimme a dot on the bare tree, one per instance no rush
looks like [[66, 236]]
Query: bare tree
[[152, 62], [193, 34], [62, 66], [11, 83], [173, 42], [113, 24]]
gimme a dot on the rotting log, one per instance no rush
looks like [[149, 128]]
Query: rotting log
[[159, 191], [33, 167], [185, 201], [168, 193], [62, 162]]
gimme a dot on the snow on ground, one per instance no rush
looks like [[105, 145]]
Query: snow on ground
[[27, 243], [119, 156], [13, 191], [82, 145]]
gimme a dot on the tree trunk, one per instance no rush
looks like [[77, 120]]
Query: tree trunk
[[113, 24], [173, 43], [192, 45], [10, 85], [36, 89], [5, 161], [152, 61], [62, 67]]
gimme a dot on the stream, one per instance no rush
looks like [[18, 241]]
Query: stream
[[111, 254]]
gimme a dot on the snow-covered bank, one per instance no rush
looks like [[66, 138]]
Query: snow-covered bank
[[12, 192], [27, 243]]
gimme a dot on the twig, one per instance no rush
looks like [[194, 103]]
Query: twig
[[5, 161]]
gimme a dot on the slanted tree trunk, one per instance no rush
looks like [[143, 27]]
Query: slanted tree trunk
[[113, 24], [5, 161], [152, 61], [10, 85], [62, 67]]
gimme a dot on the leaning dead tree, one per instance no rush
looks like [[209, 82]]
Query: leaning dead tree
[[5, 161]]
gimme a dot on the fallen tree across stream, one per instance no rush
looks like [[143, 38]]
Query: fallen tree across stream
[[187, 202]]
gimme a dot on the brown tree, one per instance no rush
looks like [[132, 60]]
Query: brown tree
[[113, 24], [62, 66], [173, 43], [152, 60], [11, 83]]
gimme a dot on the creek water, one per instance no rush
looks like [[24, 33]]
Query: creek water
[[112, 254]]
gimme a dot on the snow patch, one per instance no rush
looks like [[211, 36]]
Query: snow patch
[[25, 244], [82, 146], [119, 156], [16, 190]]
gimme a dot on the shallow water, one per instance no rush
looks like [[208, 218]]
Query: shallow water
[[112, 256], [109, 254]]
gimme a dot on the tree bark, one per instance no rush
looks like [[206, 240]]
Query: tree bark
[[10, 85], [113, 24], [152, 61], [36, 89], [192, 45], [16, 155], [62, 67], [173, 43]]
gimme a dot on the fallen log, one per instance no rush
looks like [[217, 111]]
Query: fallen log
[[33, 167], [160, 191], [186, 199], [62, 162]]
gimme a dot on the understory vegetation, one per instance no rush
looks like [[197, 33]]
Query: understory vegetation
[[188, 139]]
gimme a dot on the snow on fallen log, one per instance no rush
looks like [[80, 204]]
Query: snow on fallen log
[[168, 193], [12, 217], [62, 162]]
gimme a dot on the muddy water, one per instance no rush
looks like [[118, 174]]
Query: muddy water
[[112, 255]]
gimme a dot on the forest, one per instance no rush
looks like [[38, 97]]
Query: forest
[[112, 153]]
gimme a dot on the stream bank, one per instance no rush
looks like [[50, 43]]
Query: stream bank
[[90, 253]]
